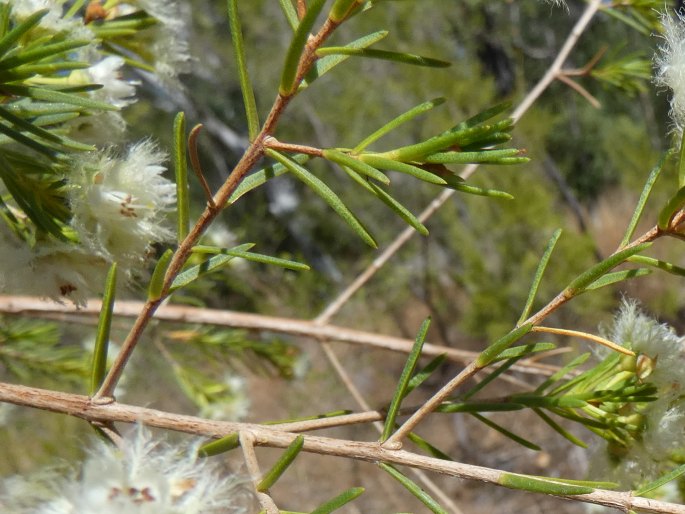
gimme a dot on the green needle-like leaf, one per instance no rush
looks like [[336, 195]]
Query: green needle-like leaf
[[50, 95], [502, 368], [388, 164], [525, 350], [506, 156], [671, 208], [42, 133], [260, 177], [405, 58], [181, 172], [154, 290], [340, 500], [292, 59], [542, 485], [37, 54], [420, 377], [290, 13], [656, 263], [458, 184], [616, 277], [253, 257], [13, 36], [492, 352], [668, 477], [282, 464], [413, 488], [326, 64], [388, 200], [405, 377], [399, 120], [356, 164], [507, 433], [559, 429], [193, 273], [542, 266], [102, 336], [644, 196], [427, 447], [244, 76], [225, 444], [581, 282], [325, 193]]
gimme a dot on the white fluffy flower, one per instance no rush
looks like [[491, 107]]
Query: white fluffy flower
[[141, 477], [53, 21], [119, 204], [671, 65], [107, 72]]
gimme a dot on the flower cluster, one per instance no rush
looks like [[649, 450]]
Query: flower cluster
[[70, 210], [671, 65], [660, 361], [139, 477]]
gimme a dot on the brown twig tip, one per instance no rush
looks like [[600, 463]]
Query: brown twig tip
[[195, 163]]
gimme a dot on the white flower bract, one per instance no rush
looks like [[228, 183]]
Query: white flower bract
[[119, 204], [671, 65], [140, 477]]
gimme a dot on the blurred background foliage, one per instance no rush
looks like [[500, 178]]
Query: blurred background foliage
[[471, 274]]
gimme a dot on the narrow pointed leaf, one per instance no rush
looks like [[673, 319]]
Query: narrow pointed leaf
[[507, 433], [616, 277], [483, 116], [577, 361], [427, 447], [385, 55], [475, 407], [41, 53], [193, 273], [44, 134], [225, 444], [13, 36], [458, 184], [102, 336], [668, 477], [492, 352], [326, 64], [581, 282], [49, 95], [505, 156], [420, 377], [19, 137], [292, 58], [525, 350], [559, 429], [326, 194], [181, 172], [399, 120], [356, 164], [405, 377], [671, 208], [260, 177], [388, 200], [402, 167], [542, 485], [413, 488], [644, 196], [656, 263], [502, 368], [154, 290], [254, 257], [340, 500], [290, 13], [244, 76], [539, 272], [282, 464]]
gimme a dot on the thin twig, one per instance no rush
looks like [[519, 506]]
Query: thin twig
[[82, 407], [563, 77], [275, 144], [585, 335], [250, 458], [36, 307]]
